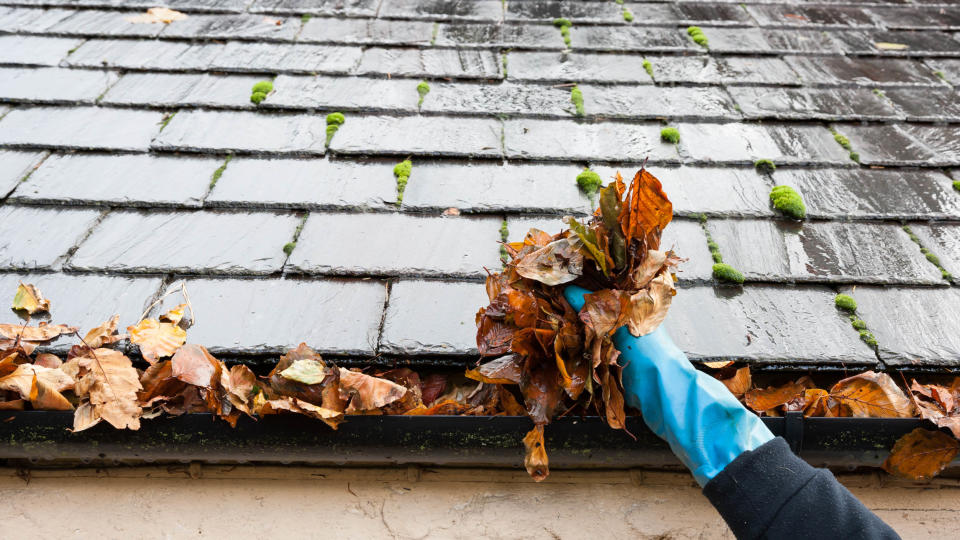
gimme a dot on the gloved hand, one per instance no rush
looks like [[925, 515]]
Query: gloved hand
[[706, 426]]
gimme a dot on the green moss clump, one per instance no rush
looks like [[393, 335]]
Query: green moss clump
[[627, 16], [561, 22], [576, 97], [859, 324], [648, 67], [765, 166], [855, 156], [589, 182], [940, 74], [263, 86], [423, 89], [401, 171], [288, 247], [725, 272], [504, 235], [842, 140], [336, 119], [305, 17], [257, 97], [930, 256], [788, 201], [956, 185], [845, 302], [219, 172], [697, 35], [564, 26], [670, 135], [868, 338]]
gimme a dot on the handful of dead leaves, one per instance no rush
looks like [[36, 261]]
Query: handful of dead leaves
[[561, 359]]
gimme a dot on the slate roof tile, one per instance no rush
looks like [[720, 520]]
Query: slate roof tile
[[54, 85], [502, 35], [14, 166], [181, 89], [608, 141], [80, 128], [366, 31], [576, 67], [35, 50], [348, 8], [250, 27], [680, 103], [418, 135], [944, 242], [862, 71], [814, 103], [62, 230], [223, 131], [746, 143], [452, 63], [429, 317]]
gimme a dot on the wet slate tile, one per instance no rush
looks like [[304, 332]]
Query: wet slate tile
[[193, 242], [504, 98], [943, 141], [583, 12], [918, 43], [500, 35], [30, 20], [708, 14], [873, 193], [916, 18], [304, 183], [818, 16], [750, 70], [14, 166], [913, 327], [233, 27], [708, 103], [137, 54], [418, 135], [813, 103], [56, 85], [891, 144], [495, 188], [276, 57], [770, 41], [461, 64], [949, 69], [746, 143], [221, 131], [822, 251], [726, 192], [199, 6], [343, 93], [123, 180], [416, 246], [943, 241], [446, 10], [764, 324], [35, 50], [80, 128], [432, 317], [838, 70], [567, 140], [104, 23], [173, 90], [576, 67], [263, 316], [349, 8], [630, 38], [85, 301], [927, 104], [21, 248], [366, 32], [697, 69]]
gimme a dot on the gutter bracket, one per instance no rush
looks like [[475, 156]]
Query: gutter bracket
[[793, 430]]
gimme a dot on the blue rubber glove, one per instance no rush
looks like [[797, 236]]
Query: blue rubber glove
[[706, 426]]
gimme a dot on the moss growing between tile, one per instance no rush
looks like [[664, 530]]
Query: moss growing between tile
[[260, 90], [433, 36], [648, 67], [788, 201], [956, 185], [219, 172], [843, 141], [765, 166], [588, 182], [930, 256], [725, 272], [401, 171], [423, 89], [627, 16], [845, 302], [576, 97], [334, 121], [305, 17], [291, 245], [503, 60], [940, 74], [879, 92], [670, 135], [564, 26], [697, 35], [504, 235], [166, 119], [858, 324]]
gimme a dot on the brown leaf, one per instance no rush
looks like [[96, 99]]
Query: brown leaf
[[44, 332], [157, 15], [493, 335], [159, 338], [871, 394], [239, 384], [504, 370], [541, 390], [535, 458], [719, 365], [108, 386], [613, 402], [603, 311], [921, 454], [41, 386], [763, 399], [648, 307], [433, 387], [365, 392], [29, 298], [193, 364], [105, 334], [559, 262], [48, 360], [647, 210], [740, 382]]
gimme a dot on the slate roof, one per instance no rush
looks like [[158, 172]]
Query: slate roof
[[111, 133]]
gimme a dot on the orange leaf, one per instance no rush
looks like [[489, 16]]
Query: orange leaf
[[647, 210], [871, 394], [921, 454], [44, 332], [535, 459], [762, 399], [105, 334], [505, 370], [157, 339], [740, 382]]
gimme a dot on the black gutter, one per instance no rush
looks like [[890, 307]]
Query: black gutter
[[42, 437]]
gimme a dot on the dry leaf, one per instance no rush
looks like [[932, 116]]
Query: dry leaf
[[719, 365], [41, 386], [921, 454], [648, 308], [306, 371], [535, 459], [740, 382], [365, 392], [108, 386], [44, 332], [157, 15], [159, 338], [48, 360], [29, 298], [647, 210], [559, 262], [504, 370], [193, 364], [886, 46], [105, 334], [764, 399], [871, 394]]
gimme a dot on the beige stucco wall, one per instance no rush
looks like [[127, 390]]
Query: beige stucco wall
[[274, 502]]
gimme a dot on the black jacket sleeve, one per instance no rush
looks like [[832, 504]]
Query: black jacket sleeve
[[771, 493]]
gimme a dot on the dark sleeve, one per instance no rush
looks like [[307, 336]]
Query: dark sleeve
[[771, 493]]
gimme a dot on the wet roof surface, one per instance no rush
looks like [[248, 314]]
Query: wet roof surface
[[112, 134]]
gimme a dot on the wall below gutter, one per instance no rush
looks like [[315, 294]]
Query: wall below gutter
[[44, 438]]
